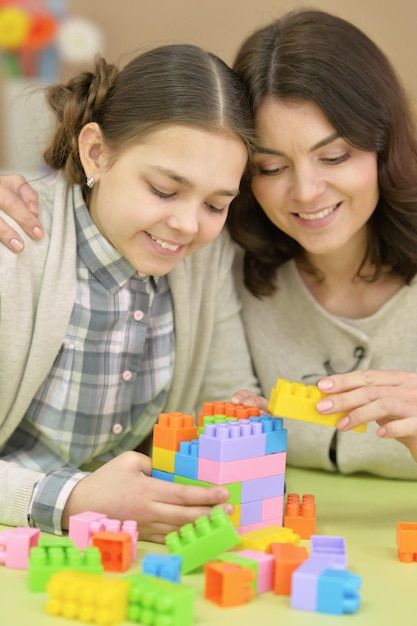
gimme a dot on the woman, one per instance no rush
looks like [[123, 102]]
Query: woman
[[329, 230], [122, 311]]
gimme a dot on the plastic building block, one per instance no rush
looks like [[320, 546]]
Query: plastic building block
[[272, 508], [260, 488], [304, 588], [242, 561], [275, 433], [227, 409], [262, 539], [337, 592], [83, 526], [245, 469], [115, 549], [155, 601], [235, 489], [54, 554], [297, 401], [163, 459], [266, 563], [332, 547], [301, 516], [15, 546], [186, 459], [288, 558], [167, 476], [232, 441], [198, 543], [88, 598], [227, 584], [249, 528], [172, 428], [406, 539], [163, 566]]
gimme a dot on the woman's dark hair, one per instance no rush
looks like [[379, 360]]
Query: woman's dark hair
[[309, 55], [171, 84]]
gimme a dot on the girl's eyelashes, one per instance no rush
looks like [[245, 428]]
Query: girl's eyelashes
[[166, 196], [161, 194], [214, 209]]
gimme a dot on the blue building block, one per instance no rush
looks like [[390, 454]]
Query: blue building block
[[337, 592], [163, 475], [275, 433], [163, 566], [186, 459]]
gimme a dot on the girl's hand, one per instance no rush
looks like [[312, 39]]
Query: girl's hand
[[248, 398], [123, 489], [20, 202], [388, 397]]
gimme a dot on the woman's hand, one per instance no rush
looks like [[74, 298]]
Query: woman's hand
[[20, 201], [388, 397], [248, 398], [124, 489]]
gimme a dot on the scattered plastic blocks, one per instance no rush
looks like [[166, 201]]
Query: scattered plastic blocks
[[406, 539], [15, 546], [115, 550], [301, 516], [297, 401], [262, 538], [155, 601], [288, 558], [198, 543], [227, 584], [338, 592], [171, 429], [54, 554], [83, 526], [266, 564], [226, 410], [163, 566], [331, 547], [88, 597]]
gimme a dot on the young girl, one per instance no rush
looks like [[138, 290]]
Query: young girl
[[122, 311], [329, 229]]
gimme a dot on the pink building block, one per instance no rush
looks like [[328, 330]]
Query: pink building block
[[245, 469], [266, 564], [272, 508], [232, 441], [16, 544], [84, 525]]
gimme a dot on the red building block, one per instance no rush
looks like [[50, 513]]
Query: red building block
[[288, 558], [227, 584], [407, 541], [172, 428], [300, 516], [115, 549]]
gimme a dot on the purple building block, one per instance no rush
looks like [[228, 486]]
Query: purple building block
[[331, 546], [251, 512], [304, 587], [261, 488], [232, 441]]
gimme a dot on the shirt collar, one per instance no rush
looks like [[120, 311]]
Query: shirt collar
[[106, 264]]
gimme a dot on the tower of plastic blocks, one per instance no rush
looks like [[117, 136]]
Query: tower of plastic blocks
[[240, 449]]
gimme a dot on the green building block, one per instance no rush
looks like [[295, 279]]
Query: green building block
[[235, 489], [214, 419], [152, 600], [242, 561], [198, 543], [54, 554]]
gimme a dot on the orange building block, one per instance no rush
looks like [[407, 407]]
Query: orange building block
[[238, 411], [172, 428], [407, 541], [115, 549], [227, 584], [300, 516], [287, 558]]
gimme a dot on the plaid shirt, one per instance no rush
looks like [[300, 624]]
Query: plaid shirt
[[109, 380]]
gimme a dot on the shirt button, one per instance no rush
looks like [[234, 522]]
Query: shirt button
[[138, 315], [117, 429], [127, 375]]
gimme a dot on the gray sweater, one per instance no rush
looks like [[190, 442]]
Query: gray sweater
[[37, 290], [292, 337]]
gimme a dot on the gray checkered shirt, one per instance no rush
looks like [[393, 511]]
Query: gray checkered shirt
[[109, 380]]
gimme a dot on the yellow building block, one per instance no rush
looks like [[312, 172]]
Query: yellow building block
[[298, 401], [163, 459], [262, 538]]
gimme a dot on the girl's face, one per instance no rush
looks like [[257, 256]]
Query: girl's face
[[168, 195], [311, 183]]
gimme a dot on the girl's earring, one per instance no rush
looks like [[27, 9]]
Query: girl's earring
[[90, 182]]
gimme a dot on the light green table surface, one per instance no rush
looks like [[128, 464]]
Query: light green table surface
[[362, 509]]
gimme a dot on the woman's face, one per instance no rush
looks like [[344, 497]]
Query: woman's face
[[311, 183], [167, 196]]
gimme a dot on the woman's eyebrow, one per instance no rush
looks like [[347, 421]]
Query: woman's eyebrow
[[316, 146]]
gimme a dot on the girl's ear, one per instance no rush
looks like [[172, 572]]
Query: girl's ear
[[91, 149]]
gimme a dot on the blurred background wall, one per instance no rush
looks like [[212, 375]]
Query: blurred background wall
[[121, 28]]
